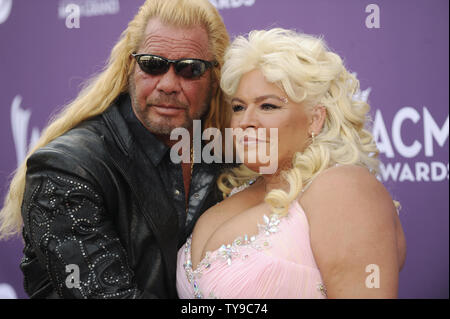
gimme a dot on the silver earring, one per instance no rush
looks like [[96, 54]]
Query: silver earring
[[313, 136]]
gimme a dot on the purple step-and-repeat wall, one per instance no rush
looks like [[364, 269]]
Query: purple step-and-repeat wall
[[398, 49]]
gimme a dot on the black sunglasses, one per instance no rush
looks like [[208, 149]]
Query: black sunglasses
[[187, 68]]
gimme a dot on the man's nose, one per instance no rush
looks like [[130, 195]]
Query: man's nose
[[169, 82]]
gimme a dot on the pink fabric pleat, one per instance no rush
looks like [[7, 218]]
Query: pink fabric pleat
[[281, 266]]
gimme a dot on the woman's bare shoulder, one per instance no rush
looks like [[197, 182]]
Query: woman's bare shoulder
[[349, 197], [347, 183]]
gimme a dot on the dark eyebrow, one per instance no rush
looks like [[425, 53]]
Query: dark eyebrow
[[262, 98]]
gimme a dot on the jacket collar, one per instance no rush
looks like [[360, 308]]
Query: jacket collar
[[151, 145], [144, 181], [118, 127]]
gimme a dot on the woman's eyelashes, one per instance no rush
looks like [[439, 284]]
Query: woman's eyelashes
[[264, 107], [237, 108], [267, 106]]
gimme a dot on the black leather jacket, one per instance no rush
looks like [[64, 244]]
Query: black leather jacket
[[94, 200]]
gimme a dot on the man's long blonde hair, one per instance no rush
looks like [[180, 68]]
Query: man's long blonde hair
[[99, 92]]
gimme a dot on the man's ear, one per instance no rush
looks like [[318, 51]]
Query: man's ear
[[318, 116]]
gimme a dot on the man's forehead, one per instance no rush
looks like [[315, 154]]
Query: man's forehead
[[155, 25], [169, 38]]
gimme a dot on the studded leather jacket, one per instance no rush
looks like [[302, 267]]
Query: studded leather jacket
[[98, 222]]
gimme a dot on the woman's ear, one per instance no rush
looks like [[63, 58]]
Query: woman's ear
[[318, 116]]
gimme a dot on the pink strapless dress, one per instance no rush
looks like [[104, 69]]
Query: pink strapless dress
[[276, 263]]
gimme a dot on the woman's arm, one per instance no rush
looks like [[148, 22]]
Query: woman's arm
[[353, 233]]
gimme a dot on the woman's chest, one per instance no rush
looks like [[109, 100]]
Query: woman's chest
[[224, 230]]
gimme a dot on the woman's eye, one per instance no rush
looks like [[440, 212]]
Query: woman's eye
[[269, 107], [237, 108]]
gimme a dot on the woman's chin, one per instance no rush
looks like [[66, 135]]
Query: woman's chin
[[253, 167], [259, 163], [262, 168]]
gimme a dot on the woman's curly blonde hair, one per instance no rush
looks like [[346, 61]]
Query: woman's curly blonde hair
[[308, 72]]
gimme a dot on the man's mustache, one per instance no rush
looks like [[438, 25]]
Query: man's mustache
[[167, 100]]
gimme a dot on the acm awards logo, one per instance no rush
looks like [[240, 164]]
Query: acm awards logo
[[5, 10], [398, 164], [20, 119], [395, 144]]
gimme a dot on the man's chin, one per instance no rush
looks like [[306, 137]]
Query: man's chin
[[167, 127]]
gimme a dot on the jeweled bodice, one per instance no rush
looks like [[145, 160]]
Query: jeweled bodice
[[277, 262]]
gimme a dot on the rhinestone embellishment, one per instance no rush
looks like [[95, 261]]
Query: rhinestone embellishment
[[228, 252], [322, 289], [271, 224], [242, 187]]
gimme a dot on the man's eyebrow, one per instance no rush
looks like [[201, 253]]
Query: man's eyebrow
[[262, 98]]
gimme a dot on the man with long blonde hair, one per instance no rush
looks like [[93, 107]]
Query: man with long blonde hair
[[101, 207]]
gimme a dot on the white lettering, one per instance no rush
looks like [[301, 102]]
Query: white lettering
[[373, 280], [230, 134], [214, 147], [381, 136], [5, 10], [231, 4], [90, 8], [236, 3], [184, 145], [438, 171], [212, 152], [422, 172], [224, 4], [19, 124], [73, 16], [73, 280], [389, 172], [373, 19], [272, 158], [406, 174], [405, 113], [7, 291], [432, 131], [197, 142], [194, 309]]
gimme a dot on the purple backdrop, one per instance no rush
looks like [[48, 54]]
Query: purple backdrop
[[399, 49]]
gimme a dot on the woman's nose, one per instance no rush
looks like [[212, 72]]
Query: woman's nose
[[248, 119]]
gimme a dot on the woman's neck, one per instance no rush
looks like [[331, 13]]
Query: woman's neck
[[275, 181]]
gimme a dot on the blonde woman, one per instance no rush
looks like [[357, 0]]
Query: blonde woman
[[322, 225]]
